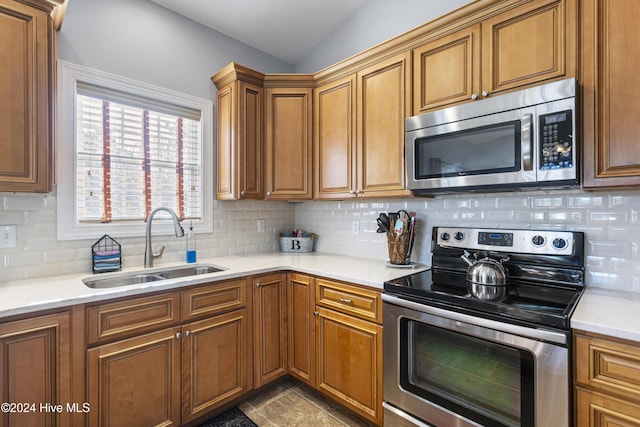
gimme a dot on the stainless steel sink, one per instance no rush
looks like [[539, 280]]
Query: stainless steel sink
[[136, 278], [188, 271]]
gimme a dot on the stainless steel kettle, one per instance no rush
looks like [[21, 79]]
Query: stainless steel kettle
[[486, 278]]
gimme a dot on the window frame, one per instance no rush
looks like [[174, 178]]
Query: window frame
[[68, 227]]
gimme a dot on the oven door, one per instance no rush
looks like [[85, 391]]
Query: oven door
[[452, 369], [493, 150]]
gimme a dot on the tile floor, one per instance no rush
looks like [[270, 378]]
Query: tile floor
[[290, 403]]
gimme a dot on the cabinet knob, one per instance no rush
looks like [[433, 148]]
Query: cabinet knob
[[315, 313], [187, 334], [352, 192], [474, 96], [359, 191], [485, 93], [268, 193], [178, 335], [243, 193], [257, 284]]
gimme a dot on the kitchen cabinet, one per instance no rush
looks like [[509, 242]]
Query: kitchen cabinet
[[349, 348], [170, 358], [497, 55], [239, 133], [36, 367], [610, 93], [360, 145], [607, 381], [335, 139], [301, 327], [269, 327], [289, 142], [27, 85]]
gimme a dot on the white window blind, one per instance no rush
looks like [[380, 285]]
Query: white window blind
[[133, 155]]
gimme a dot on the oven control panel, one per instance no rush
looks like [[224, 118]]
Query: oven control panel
[[522, 241]]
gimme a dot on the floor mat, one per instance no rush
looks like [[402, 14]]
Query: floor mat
[[232, 418]]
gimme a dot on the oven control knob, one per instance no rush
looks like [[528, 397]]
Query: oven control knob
[[445, 237], [459, 236], [538, 240], [559, 243]]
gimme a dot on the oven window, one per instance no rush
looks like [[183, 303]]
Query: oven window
[[487, 149], [484, 381]]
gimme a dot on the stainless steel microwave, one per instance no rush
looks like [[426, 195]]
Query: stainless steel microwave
[[518, 140]]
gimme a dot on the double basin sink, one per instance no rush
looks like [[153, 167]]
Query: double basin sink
[[140, 277]]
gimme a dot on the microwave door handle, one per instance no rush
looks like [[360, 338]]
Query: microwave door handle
[[527, 142]]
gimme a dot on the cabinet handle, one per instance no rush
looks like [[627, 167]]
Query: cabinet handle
[[485, 93], [345, 300], [187, 334], [243, 193], [474, 96], [178, 335]]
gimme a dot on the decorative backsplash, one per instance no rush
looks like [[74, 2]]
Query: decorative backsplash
[[610, 220]]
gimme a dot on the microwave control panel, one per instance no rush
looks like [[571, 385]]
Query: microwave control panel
[[556, 140]]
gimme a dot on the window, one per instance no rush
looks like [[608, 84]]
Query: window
[[126, 148]]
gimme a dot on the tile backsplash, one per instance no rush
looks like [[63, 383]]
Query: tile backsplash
[[39, 254], [610, 221]]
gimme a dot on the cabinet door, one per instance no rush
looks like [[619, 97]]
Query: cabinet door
[[26, 151], [335, 133], [301, 298], [270, 330], [349, 362], [598, 410], [35, 368], [383, 103], [288, 140], [239, 156], [216, 366], [529, 44], [136, 382], [447, 70], [610, 92]]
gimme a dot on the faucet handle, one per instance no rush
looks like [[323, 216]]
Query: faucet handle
[[159, 253]]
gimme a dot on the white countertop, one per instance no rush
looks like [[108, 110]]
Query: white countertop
[[25, 296], [613, 313]]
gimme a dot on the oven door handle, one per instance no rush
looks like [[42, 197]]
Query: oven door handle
[[523, 331]]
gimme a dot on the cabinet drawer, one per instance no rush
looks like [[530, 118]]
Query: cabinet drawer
[[610, 366], [134, 316], [595, 409], [359, 302], [215, 298]]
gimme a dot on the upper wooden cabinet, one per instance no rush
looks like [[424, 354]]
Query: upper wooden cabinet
[[27, 82], [360, 145], [289, 143], [447, 70], [610, 92], [239, 133], [527, 44], [335, 139]]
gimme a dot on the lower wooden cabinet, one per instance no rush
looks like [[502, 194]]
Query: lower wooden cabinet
[[607, 381], [35, 369], [301, 327], [177, 374], [349, 362], [269, 328], [136, 382], [216, 367]]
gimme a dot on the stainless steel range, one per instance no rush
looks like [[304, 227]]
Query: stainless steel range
[[483, 338]]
